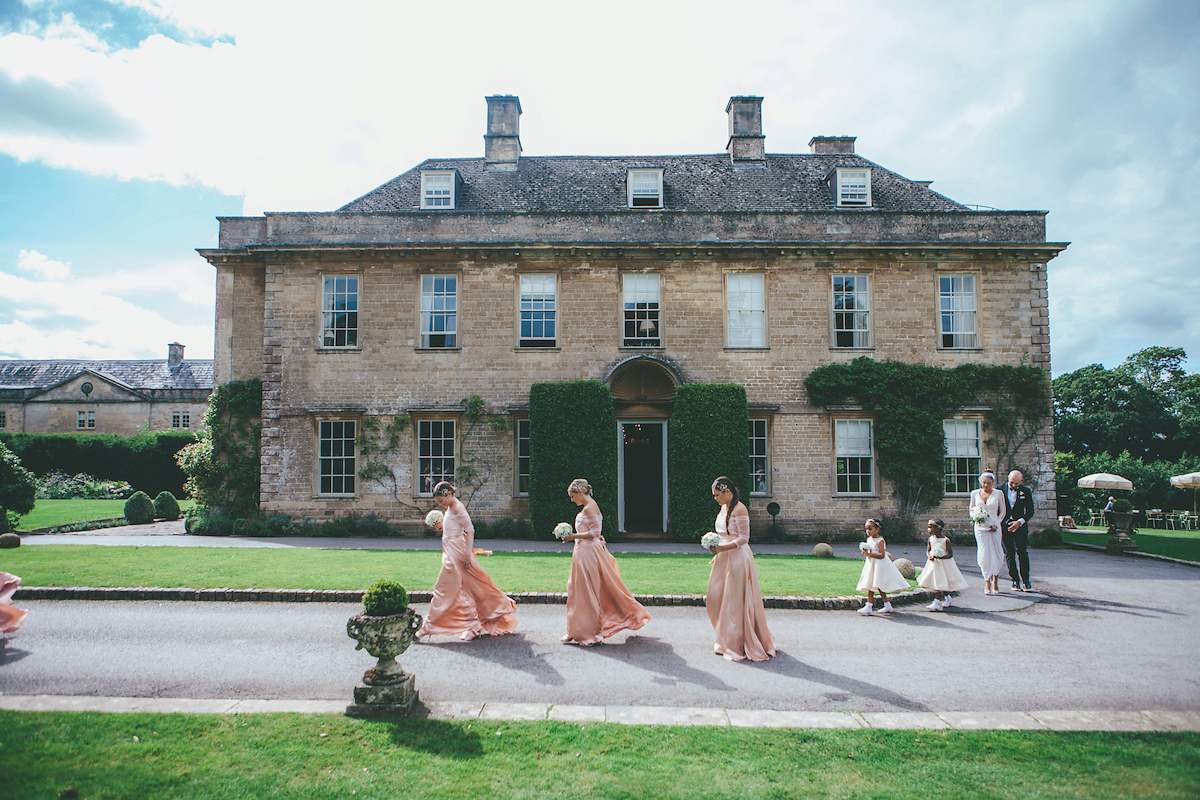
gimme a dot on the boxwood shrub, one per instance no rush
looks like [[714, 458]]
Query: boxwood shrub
[[139, 509]]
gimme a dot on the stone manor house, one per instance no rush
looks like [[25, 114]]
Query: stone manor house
[[120, 396], [481, 276]]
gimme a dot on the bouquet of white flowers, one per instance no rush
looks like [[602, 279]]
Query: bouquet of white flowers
[[562, 530], [433, 518], [866, 548], [710, 540], [979, 515], [937, 549]]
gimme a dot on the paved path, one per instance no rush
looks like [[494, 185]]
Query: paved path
[[1078, 655]]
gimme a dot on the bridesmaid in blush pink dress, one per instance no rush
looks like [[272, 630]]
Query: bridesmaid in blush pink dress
[[598, 604], [11, 617], [735, 605], [465, 599]]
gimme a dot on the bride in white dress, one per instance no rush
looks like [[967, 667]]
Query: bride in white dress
[[987, 510]]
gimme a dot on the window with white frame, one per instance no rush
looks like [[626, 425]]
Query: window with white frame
[[645, 188], [181, 419], [439, 311], [963, 453], [759, 466], [85, 420], [336, 472], [853, 187], [437, 190], [522, 431], [851, 311], [854, 456], [746, 309], [3, 419], [641, 301], [537, 308], [956, 295], [435, 453], [339, 311]]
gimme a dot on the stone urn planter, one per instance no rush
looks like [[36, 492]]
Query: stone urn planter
[[387, 690], [1120, 524]]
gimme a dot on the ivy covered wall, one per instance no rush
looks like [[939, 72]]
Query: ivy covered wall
[[707, 437], [572, 434]]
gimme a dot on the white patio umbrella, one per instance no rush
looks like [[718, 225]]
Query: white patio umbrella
[[1104, 480], [1188, 481]]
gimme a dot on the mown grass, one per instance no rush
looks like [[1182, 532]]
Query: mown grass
[[308, 568], [1175, 544], [52, 513], [322, 756]]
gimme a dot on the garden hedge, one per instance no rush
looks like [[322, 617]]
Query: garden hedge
[[572, 434], [708, 436], [146, 460]]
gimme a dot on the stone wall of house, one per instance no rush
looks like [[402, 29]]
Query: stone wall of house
[[387, 374]]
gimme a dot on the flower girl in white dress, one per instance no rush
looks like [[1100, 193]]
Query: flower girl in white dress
[[941, 574], [879, 574]]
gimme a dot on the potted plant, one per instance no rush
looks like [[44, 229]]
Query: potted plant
[[385, 629]]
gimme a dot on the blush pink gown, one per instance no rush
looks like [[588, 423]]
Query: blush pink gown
[[465, 599], [11, 617], [598, 604], [734, 603]]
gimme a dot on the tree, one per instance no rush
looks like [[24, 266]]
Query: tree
[[1147, 406], [18, 487]]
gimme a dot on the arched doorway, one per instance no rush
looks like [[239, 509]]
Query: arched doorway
[[643, 393]]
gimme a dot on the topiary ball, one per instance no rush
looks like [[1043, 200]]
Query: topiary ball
[[166, 506], [822, 550], [10, 540], [139, 509], [384, 599], [906, 568]]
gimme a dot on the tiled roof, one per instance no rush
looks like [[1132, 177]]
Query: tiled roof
[[39, 374], [702, 183]]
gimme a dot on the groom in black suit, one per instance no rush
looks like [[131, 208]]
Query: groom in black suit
[[1015, 533]]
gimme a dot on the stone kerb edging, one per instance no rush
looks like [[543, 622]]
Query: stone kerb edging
[[842, 603]]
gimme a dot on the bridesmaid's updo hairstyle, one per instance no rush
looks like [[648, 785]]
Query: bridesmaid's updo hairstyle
[[726, 484], [579, 485], [937, 525], [444, 488]]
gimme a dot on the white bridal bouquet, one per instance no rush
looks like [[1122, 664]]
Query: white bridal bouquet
[[937, 549], [978, 515], [866, 548], [562, 530], [433, 518], [710, 539]]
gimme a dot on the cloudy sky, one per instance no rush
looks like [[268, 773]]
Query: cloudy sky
[[127, 126]]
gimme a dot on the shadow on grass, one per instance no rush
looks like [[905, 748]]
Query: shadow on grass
[[784, 664], [435, 737]]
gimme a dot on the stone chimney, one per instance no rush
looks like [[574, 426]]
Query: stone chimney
[[174, 354], [747, 145], [832, 145], [502, 142]]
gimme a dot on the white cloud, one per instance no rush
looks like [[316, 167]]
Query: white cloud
[[84, 319], [33, 261]]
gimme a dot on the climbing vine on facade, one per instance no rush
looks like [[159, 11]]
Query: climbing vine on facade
[[910, 401], [222, 465]]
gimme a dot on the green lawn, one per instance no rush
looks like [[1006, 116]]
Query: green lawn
[[324, 755], [52, 513], [306, 568], [1176, 544]]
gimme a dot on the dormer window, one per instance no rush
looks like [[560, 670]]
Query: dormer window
[[438, 189], [852, 187], [645, 188]]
